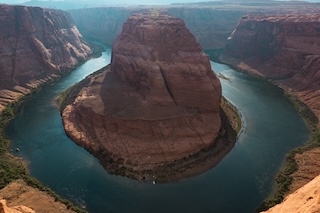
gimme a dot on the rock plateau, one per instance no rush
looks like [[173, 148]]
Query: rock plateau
[[36, 45], [156, 106]]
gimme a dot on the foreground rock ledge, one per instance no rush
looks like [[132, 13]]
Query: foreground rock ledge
[[154, 113], [305, 199]]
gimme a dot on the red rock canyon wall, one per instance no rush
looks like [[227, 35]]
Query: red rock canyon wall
[[284, 48], [36, 45]]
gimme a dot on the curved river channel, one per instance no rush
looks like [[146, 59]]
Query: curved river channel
[[239, 183]]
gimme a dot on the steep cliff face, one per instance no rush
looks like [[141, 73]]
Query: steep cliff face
[[283, 48], [158, 103], [210, 26], [104, 24], [181, 73], [211, 22], [36, 45]]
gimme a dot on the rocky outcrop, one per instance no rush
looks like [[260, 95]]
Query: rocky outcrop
[[283, 48], [308, 164], [16, 209], [17, 195], [156, 106], [305, 199], [36, 45]]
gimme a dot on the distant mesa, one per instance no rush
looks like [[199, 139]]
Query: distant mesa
[[154, 114]]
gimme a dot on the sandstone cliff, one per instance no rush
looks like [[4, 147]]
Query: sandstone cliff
[[210, 26], [36, 45], [16, 209], [154, 107], [104, 24], [211, 22], [306, 199], [283, 48]]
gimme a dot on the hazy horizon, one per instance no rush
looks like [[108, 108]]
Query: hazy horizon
[[138, 2], [119, 2]]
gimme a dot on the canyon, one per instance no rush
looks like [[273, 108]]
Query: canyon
[[155, 111], [37, 46], [277, 42], [211, 22], [282, 48]]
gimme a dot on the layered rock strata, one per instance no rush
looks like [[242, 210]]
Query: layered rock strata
[[211, 22], [282, 48], [210, 26], [154, 107], [36, 45]]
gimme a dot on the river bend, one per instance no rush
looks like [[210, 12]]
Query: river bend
[[239, 183]]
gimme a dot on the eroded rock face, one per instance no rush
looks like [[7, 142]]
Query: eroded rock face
[[211, 22], [104, 24], [16, 209], [158, 102], [283, 48], [37, 45], [163, 61], [210, 26]]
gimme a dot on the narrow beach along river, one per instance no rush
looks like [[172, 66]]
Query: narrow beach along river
[[239, 183]]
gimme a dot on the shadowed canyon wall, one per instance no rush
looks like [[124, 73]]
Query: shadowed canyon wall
[[36, 45], [283, 48], [211, 27], [211, 23]]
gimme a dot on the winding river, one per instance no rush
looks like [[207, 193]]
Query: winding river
[[239, 183]]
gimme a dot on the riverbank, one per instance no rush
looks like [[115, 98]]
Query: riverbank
[[172, 170], [290, 177], [14, 168]]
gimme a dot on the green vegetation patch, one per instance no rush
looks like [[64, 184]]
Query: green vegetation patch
[[284, 178], [13, 168]]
